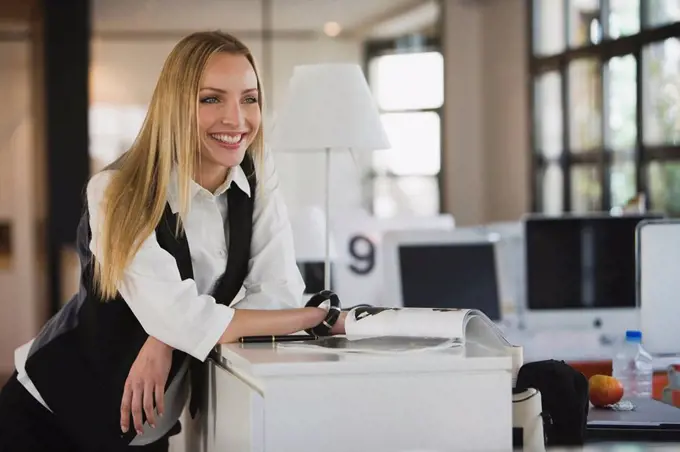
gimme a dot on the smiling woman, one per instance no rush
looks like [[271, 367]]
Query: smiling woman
[[172, 231]]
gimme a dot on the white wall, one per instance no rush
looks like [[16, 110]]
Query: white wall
[[506, 84], [20, 309], [486, 146], [463, 159]]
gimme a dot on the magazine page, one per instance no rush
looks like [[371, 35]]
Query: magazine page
[[480, 329], [364, 322], [372, 345]]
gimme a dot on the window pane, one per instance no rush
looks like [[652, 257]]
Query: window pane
[[405, 196], [621, 103], [586, 191], [408, 81], [548, 27], [548, 120], [660, 12], [622, 182], [551, 184], [624, 17], [661, 92], [584, 23], [416, 147], [664, 187], [113, 129], [585, 105]]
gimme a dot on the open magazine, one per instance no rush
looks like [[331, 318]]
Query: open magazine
[[408, 330]]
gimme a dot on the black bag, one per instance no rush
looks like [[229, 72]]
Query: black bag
[[564, 399]]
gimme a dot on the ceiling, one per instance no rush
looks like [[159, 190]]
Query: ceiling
[[156, 18], [355, 16]]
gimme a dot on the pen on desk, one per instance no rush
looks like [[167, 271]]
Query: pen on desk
[[271, 339]]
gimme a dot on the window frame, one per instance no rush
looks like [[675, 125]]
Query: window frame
[[601, 157], [408, 44]]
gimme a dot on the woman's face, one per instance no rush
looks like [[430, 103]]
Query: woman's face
[[228, 112]]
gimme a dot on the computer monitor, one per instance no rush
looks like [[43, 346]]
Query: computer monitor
[[510, 252], [443, 269], [658, 261], [580, 271]]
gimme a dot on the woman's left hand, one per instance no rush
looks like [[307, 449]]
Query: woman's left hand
[[339, 327], [145, 385]]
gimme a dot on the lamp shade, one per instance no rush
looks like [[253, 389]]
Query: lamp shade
[[329, 106]]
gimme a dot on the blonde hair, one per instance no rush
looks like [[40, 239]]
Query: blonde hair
[[169, 138]]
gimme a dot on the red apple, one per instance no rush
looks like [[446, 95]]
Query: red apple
[[604, 390]]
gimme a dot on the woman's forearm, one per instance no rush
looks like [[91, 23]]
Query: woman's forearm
[[247, 322]]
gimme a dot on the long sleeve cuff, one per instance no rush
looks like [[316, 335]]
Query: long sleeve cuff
[[214, 331]]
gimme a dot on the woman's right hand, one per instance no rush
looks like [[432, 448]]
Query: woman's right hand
[[146, 384]]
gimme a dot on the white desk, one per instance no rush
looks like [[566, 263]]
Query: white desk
[[266, 399]]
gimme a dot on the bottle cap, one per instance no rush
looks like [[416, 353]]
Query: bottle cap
[[633, 335]]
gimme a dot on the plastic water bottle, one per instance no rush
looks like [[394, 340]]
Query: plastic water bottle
[[632, 366]]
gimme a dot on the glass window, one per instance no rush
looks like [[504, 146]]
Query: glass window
[[548, 27], [408, 81], [113, 129], [549, 133], [662, 12], [584, 22], [408, 196], [585, 105], [661, 92], [586, 190], [409, 88], [664, 187], [622, 182], [624, 18], [608, 102], [416, 147], [621, 99]]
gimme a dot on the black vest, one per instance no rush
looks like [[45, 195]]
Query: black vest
[[81, 358]]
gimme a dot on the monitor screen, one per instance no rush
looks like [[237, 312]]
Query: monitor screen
[[581, 262], [450, 275]]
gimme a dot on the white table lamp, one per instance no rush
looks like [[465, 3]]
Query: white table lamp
[[328, 107]]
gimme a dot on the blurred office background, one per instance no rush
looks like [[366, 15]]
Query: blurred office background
[[494, 108]]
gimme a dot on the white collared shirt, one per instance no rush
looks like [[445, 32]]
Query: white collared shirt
[[181, 313]]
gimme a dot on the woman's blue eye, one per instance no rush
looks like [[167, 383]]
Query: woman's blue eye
[[251, 100], [209, 100]]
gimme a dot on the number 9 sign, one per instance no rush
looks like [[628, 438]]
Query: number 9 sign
[[362, 255]]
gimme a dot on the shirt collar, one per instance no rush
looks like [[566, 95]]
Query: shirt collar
[[236, 175]]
